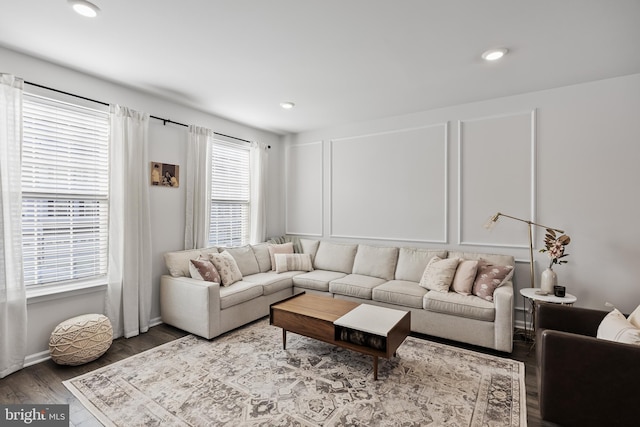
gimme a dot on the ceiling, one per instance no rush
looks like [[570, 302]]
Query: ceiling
[[340, 61]]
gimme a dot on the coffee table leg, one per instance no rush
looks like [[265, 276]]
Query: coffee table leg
[[375, 368], [284, 339]]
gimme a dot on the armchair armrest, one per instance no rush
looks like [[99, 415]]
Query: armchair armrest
[[575, 320], [585, 381]]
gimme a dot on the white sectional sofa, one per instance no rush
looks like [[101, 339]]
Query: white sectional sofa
[[384, 276]]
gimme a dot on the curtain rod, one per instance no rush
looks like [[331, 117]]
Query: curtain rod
[[164, 121]]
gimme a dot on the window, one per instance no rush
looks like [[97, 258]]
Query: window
[[65, 191], [230, 195]]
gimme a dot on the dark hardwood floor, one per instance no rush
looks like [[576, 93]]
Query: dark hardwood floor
[[42, 383]]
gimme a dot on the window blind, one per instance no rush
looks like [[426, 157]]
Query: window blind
[[230, 195], [65, 191]]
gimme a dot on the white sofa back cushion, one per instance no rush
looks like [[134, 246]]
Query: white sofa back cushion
[[310, 247], [245, 259], [507, 260], [178, 262], [376, 261], [335, 257], [261, 251], [413, 261]]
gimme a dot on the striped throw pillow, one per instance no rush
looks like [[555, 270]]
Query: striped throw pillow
[[293, 262]]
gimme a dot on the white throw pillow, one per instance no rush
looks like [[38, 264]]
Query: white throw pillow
[[227, 268], [439, 274], [293, 262], [615, 327], [634, 317]]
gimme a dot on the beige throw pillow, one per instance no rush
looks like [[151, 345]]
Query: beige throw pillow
[[489, 278], [439, 274], [293, 262], [465, 276], [285, 248], [227, 267], [614, 327], [203, 269]]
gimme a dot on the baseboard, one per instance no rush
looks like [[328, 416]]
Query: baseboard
[[35, 358]]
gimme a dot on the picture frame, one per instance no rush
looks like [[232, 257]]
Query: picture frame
[[164, 175]]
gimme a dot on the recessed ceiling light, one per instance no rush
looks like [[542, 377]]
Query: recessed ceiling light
[[494, 54], [84, 8], [287, 105]]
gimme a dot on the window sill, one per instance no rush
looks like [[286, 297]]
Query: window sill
[[54, 292]]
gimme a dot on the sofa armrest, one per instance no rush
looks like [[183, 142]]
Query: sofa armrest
[[503, 302], [190, 304], [586, 381], [582, 321]]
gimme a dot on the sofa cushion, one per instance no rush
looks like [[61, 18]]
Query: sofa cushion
[[271, 281], [317, 280], [310, 247], [335, 257], [413, 261], [261, 251], [245, 259], [376, 261], [283, 248], [465, 276], [400, 292], [355, 285], [489, 278], [293, 262], [456, 304], [178, 262], [238, 293], [203, 269], [439, 274], [491, 258], [227, 267]]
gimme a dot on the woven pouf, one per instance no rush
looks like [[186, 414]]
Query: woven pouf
[[80, 339]]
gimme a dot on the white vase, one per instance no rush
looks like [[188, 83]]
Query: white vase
[[548, 280]]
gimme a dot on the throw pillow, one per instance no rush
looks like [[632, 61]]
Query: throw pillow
[[293, 262], [285, 248], [489, 278], [203, 269], [227, 267], [634, 317], [439, 274], [614, 327], [465, 275]]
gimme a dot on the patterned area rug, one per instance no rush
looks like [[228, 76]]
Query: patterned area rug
[[244, 378]]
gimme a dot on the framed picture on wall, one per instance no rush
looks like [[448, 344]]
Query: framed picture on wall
[[165, 175]]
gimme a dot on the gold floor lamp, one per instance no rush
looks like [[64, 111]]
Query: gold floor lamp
[[492, 222]]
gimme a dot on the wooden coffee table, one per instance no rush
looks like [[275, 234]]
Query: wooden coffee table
[[368, 329]]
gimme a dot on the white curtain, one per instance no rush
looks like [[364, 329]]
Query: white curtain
[[258, 161], [196, 231], [129, 292], [13, 301]]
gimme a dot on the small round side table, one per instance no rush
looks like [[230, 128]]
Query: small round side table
[[533, 297]]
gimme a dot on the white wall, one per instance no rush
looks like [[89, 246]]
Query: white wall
[[167, 144], [566, 157]]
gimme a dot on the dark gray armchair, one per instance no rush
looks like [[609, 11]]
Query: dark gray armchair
[[584, 381]]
